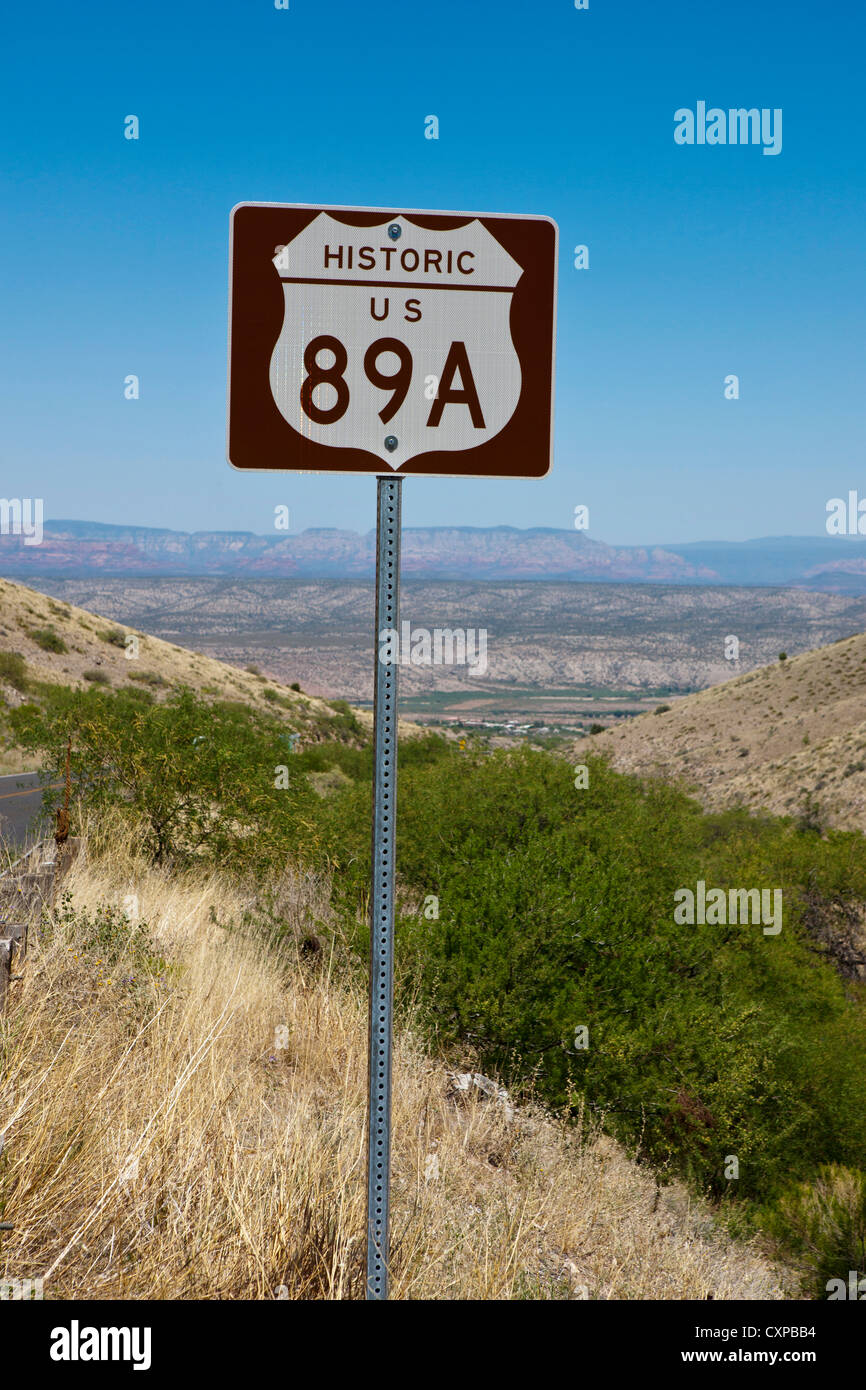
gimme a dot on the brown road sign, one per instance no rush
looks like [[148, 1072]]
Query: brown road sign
[[363, 339]]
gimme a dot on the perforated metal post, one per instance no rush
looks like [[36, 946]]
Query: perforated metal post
[[382, 896]]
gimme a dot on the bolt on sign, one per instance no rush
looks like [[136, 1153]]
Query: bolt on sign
[[363, 341]]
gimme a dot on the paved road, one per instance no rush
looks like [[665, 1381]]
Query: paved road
[[20, 801]]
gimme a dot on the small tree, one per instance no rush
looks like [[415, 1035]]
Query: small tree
[[194, 779]]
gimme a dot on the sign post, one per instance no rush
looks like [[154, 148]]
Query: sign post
[[382, 896], [362, 339]]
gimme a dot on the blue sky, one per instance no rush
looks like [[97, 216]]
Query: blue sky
[[704, 261]]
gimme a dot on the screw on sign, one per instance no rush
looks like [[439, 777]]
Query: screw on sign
[[368, 340]]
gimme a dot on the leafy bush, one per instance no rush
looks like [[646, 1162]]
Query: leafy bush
[[13, 670], [148, 678], [811, 815], [96, 676], [346, 720], [556, 912], [115, 635], [106, 932], [192, 779], [357, 763], [48, 639], [824, 1223]]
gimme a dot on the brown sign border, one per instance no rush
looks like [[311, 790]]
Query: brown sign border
[[255, 429]]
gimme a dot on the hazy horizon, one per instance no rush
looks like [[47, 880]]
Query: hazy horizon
[[589, 532]]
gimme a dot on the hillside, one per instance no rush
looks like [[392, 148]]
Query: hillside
[[221, 918], [47, 640], [780, 738], [544, 640], [211, 1080]]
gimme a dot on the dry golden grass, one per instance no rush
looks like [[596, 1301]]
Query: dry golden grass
[[159, 1142]]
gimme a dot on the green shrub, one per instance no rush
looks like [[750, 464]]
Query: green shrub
[[274, 697], [356, 763], [811, 816], [824, 1223], [193, 780], [346, 719], [13, 670], [96, 676], [115, 635], [106, 932], [556, 911], [48, 639], [148, 678]]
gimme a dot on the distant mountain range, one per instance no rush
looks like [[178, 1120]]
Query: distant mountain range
[[77, 549]]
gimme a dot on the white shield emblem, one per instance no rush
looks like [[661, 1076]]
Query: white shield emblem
[[396, 339]]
